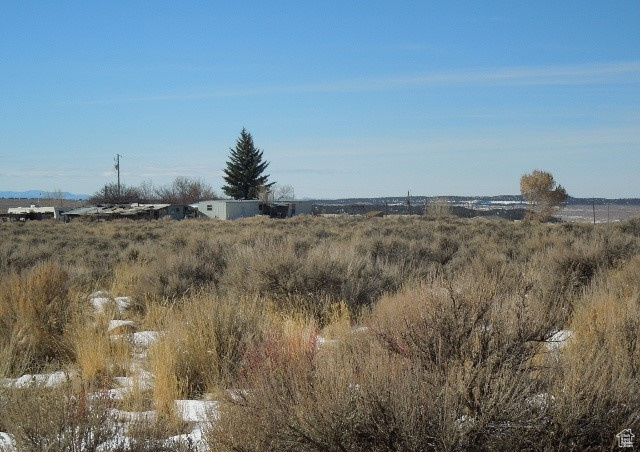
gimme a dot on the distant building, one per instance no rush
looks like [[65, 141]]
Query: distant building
[[34, 213], [232, 209], [133, 212]]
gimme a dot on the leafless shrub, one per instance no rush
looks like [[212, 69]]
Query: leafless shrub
[[65, 418]]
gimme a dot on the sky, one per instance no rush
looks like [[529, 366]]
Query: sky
[[345, 99]]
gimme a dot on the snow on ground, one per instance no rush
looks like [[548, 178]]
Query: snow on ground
[[6, 442], [49, 380], [197, 410], [193, 438], [144, 338], [321, 341], [101, 299], [559, 339], [143, 379], [541, 401], [196, 413]]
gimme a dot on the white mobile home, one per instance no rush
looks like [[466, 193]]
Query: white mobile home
[[228, 209], [231, 209], [34, 213]]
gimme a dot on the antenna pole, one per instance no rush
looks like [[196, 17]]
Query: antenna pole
[[117, 159]]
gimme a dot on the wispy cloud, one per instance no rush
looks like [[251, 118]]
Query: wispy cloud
[[551, 75], [605, 73]]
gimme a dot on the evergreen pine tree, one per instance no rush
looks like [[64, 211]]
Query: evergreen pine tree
[[243, 175]]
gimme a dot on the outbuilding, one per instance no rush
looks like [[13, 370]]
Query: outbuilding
[[231, 209], [133, 211], [34, 213]]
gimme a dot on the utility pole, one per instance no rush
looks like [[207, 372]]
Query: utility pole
[[117, 160], [409, 201]]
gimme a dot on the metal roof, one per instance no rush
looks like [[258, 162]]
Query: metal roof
[[117, 210]]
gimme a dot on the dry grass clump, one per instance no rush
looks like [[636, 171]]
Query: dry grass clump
[[203, 346], [35, 309], [595, 390], [184, 268], [305, 277], [99, 354], [65, 418]]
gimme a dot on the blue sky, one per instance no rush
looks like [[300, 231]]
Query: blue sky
[[346, 99]]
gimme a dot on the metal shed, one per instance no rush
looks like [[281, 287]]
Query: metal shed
[[231, 209]]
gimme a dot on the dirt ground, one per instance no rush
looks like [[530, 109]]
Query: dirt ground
[[603, 213]]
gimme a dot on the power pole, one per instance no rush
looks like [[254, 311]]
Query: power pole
[[117, 159], [409, 201]]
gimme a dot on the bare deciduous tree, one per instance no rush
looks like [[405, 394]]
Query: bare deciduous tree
[[110, 194], [283, 192], [184, 190]]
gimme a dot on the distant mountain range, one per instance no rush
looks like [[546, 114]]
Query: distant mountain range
[[35, 194]]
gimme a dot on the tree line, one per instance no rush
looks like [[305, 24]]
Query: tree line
[[183, 190]]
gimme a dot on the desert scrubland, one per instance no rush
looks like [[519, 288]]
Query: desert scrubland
[[319, 334]]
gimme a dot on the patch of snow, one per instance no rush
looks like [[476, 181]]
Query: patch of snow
[[144, 338], [359, 329], [193, 439], [7, 443], [466, 422], [123, 382], [541, 401], [237, 395], [122, 302], [143, 380], [49, 380], [197, 410], [559, 339], [119, 442], [113, 324], [118, 394], [321, 341], [103, 300]]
